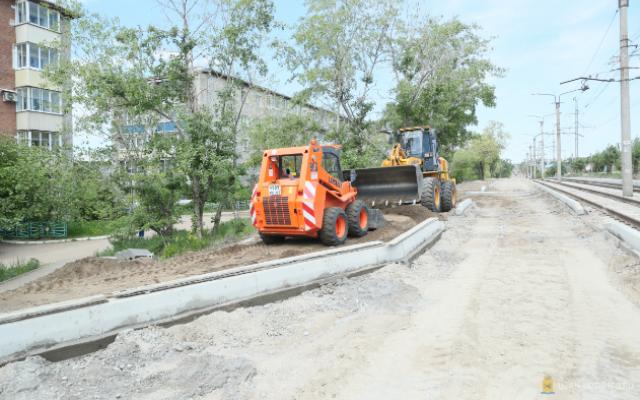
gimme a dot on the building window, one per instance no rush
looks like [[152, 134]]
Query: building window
[[21, 12], [28, 12], [31, 55], [34, 56], [36, 99], [21, 55], [50, 140], [33, 13], [41, 100], [23, 137], [56, 103], [35, 139]]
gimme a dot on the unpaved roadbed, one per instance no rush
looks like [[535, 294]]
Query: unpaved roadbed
[[517, 289], [92, 276]]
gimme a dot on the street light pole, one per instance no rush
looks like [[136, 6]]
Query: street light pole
[[558, 146], [559, 143], [542, 149], [627, 176]]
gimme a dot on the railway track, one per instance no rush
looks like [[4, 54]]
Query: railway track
[[624, 209], [602, 182]]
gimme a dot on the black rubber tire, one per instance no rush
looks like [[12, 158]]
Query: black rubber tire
[[271, 239], [328, 234], [431, 198], [449, 196], [353, 217]]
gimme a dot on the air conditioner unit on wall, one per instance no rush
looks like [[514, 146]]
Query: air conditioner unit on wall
[[9, 96]]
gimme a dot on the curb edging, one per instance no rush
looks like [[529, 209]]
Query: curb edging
[[626, 234], [463, 206], [56, 241], [575, 206], [34, 331]]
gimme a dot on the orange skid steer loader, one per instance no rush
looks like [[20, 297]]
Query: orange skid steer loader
[[301, 191]]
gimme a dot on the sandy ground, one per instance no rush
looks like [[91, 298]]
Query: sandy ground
[[90, 276], [515, 290]]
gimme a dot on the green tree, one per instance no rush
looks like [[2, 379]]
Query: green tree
[[480, 157], [577, 165], [157, 194], [139, 73], [35, 184], [635, 154], [273, 132], [606, 160], [41, 185], [442, 68], [339, 47]]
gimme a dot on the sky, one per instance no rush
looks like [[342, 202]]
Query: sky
[[539, 43]]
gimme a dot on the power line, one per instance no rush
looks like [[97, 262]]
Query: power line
[[595, 97], [601, 41]]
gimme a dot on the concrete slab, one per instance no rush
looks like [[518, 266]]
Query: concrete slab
[[575, 206], [463, 206], [630, 236]]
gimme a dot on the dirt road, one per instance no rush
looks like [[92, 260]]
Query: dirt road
[[517, 290]]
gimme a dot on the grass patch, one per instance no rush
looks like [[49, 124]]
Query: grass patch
[[93, 228], [11, 271], [181, 241]]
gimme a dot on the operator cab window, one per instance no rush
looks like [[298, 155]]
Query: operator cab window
[[413, 143], [289, 166], [331, 164]]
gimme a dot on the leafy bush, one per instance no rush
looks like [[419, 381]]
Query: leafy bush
[[11, 271], [607, 160], [41, 185], [95, 228], [181, 241]]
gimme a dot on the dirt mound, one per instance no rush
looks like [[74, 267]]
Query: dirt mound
[[417, 212], [139, 364], [93, 276]]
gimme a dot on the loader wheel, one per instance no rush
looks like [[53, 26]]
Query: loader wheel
[[334, 227], [358, 218], [449, 196], [271, 239], [431, 196]]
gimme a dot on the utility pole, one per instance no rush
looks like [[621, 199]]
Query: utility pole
[[575, 100], [627, 177], [535, 159], [542, 149], [558, 143]]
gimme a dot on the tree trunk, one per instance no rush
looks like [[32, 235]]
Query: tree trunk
[[198, 206], [218, 217]]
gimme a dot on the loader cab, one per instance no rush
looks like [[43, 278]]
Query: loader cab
[[331, 162], [421, 142], [289, 166]]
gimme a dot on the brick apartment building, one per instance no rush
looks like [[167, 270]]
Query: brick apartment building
[[30, 108]]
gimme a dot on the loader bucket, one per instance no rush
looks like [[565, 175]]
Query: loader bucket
[[388, 185]]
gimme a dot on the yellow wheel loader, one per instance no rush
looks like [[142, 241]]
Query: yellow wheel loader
[[412, 173]]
